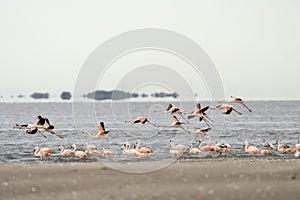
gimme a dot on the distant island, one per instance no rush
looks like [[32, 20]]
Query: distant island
[[119, 95], [38, 95], [66, 95], [104, 95]]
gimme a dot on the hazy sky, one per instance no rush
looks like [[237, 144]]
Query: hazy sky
[[254, 44]]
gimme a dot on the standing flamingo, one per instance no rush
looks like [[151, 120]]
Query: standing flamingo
[[106, 152], [250, 149], [194, 150], [142, 149], [66, 152], [79, 154], [43, 152], [91, 149]]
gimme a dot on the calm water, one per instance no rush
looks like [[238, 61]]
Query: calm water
[[270, 120]]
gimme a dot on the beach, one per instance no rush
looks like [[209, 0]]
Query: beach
[[221, 178]]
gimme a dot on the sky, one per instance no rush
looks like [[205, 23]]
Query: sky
[[253, 44]]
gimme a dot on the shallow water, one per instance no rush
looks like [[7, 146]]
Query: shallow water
[[269, 120]]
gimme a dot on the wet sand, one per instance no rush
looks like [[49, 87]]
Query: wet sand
[[226, 178]]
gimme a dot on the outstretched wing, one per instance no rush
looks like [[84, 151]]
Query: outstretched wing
[[169, 107], [101, 127], [175, 119], [204, 109]]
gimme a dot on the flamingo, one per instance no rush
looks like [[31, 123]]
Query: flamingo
[[297, 146], [227, 109], [225, 147], [106, 152], [142, 149], [177, 124], [43, 125], [194, 150], [208, 147], [250, 149], [179, 147], [102, 133], [66, 152], [297, 153], [79, 154], [173, 109], [31, 129], [200, 113], [43, 152], [267, 145], [142, 120], [132, 152], [265, 152], [91, 149], [202, 131], [240, 101], [283, 148]]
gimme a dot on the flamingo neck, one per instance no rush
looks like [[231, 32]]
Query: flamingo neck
[[62, 150], [36, 152], [74, 148]]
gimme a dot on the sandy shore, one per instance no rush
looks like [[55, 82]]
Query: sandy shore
[[247, 178]]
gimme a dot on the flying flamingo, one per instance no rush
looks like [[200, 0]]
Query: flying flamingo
[[227, 109], [43, 152], [41, 125], [102, 133], [142, 120], [200, 113], [177, 124], [79, 154], [31, 129], [173, 109], [250, 149], [240, 101], [202, 131], [66, 152]]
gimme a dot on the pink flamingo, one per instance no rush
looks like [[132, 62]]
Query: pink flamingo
[[142, 149], [194, 150], [106, 152], [66, 152], [142, 120], [250, 149], [43, 152], [79, 154]]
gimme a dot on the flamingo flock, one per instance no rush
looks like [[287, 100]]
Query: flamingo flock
[[200, 146]]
